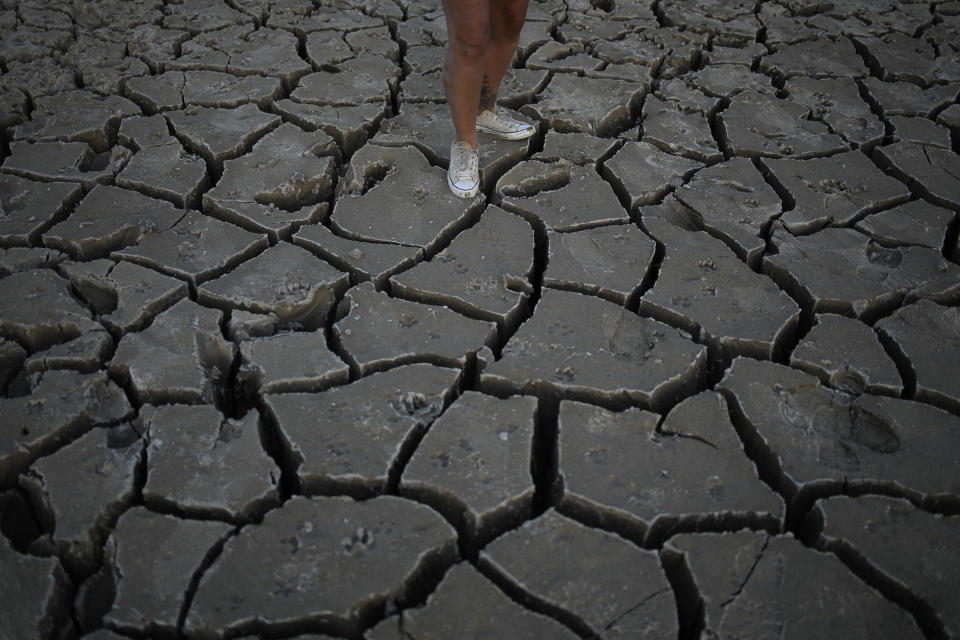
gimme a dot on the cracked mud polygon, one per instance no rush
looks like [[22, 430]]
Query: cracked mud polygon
[[687, 367]]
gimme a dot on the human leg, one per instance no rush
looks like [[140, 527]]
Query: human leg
[[506, 22], [468, 34]]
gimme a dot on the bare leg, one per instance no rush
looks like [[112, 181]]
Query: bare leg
[[468, 29], [506, 21]]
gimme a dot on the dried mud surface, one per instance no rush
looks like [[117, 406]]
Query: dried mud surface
[[687, 367]]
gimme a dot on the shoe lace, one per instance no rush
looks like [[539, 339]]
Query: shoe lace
[[502, 116], [464, 160]]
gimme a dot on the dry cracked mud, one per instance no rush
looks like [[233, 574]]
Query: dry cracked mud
[[687, 367]]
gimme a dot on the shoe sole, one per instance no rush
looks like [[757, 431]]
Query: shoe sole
[[462, 193], [506, 135]]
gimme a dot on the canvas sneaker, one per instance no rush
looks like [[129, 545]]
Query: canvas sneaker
[[503, 125], [463, 174]]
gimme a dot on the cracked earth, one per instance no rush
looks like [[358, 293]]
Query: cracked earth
[[688, 367]]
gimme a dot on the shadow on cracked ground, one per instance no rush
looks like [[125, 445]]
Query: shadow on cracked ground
[[688, 367]]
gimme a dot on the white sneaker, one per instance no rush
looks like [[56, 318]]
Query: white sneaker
[[503, 125], [463, 174]]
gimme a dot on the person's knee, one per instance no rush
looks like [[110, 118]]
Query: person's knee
[[470, 41], [507, 21]]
